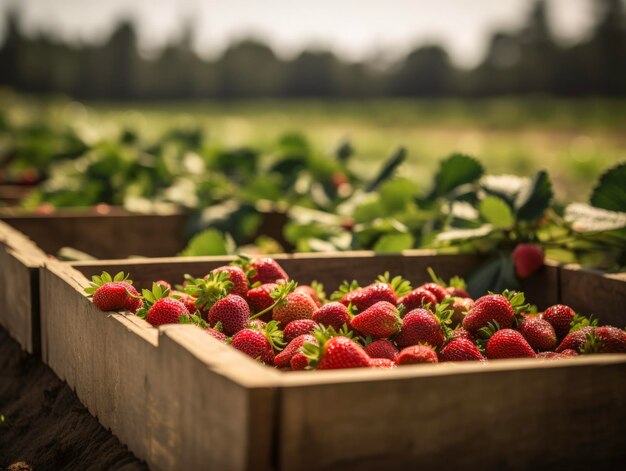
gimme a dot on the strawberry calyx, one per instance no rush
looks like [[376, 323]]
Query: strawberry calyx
[[485, 333], [150, 297], [592, 342], [209, 290], [397, 283], [322, 334], [278, 295], [579, 322], [343, 289], [444, 314], [517, 301], [99, 281], [274, 335], [455, 281], [319, 291], [194, 319]]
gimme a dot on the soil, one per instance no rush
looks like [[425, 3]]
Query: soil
[[43, 425]]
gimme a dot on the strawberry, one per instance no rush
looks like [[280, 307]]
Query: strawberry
[[334, 352], [500, 308], [382, 363], [417, 298], [187, 300], [508, 343], [259, 344], [114, 293], [208, 290], [260, 298], [266, 270], [527, 259], [315, 290], [293, 307], [424, 326], [283, 359], [439, 292], [381, 348], [236, 276], [560, 317], [379, 320], [417, 354], [456, 287], [460, 307], [333, 314], [538, 333], [216, 334], [164, 284], [297, 328], [458, 292], [384, 289], [605, 339], [460, 349], [461, 332], [574, 340], [166, 311], [232, 311], [299, 362]]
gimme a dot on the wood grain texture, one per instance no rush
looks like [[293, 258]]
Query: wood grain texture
[[594, 292]]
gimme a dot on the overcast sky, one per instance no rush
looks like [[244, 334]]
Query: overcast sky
[[355, 29]]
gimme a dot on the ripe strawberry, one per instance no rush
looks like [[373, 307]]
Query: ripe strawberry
[[438, 291], [574, 340], [267, 270], [605, 339], [460, 349], [208, 290], [489, 308], [297, 328], [560, 317], [315, 290], [232, 311], [383, 289], [283, 359], [166, 311], [293, 307], [335, 352], [458, 292], [423, 326], [260, 298], [381, 348], [460, 307], [456, 287], [461, 332], [333, 314], [382, 363], [538, 333], [299, 362], [379, 321], [164, 284], [508, 343], [417, 354], [236, 276], [216, 334], [187, 300], [259, 344], [417, 298], [528, 259], [114, 293]]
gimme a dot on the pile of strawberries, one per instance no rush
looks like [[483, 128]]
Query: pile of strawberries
[[257, 309]]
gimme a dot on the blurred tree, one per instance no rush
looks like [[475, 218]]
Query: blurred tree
[[312, 74], [425, 72]]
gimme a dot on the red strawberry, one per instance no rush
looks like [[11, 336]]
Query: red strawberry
[[461, 332], [420, 326], [538, 333], [560, 317], [528, 259], [335, 353], [460, 349], [456, 287], [283, 359], [382, 348], [416, 354], [297, 328], [299, 362], [574, 340], [508, 343], [259, 344], [417, 298], [437, 290], [382, 363], [166, 311], [461, 306], [260, 299], [232, 311], [187, 300], [379, 321], [164, 284], [295, 306], [333, 315], [605, 339], [306, 289], [363, 298], [267, 271], [114, 293], [216, 334], [489, 308], [236, 276], [457, 292]]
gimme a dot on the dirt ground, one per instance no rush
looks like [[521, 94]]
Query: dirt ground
[[43, 425]]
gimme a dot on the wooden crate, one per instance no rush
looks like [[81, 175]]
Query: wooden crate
[[20, 260], [181, 400]]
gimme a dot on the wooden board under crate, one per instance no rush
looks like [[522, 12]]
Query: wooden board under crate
[[181, 400]]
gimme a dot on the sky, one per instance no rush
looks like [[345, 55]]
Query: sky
[[354, 29]]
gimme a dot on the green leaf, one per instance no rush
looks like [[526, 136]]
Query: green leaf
[[456, 170], [496, 212], [496, 275], [208, 242], [535, 198], [585, 218], [610, 192], [395, 242], [388, 169], [462, 234]]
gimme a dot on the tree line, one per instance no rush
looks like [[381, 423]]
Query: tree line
[[526, 61]]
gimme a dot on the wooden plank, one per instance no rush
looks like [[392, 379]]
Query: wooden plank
[[455, 416], [594, 292]]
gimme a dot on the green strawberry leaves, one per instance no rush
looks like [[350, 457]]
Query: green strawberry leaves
[[343, 289], [151, 296], [399, 284], [193, 319], [209, 290], [98, 281]]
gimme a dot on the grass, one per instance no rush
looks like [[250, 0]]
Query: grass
[[573, 140]]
